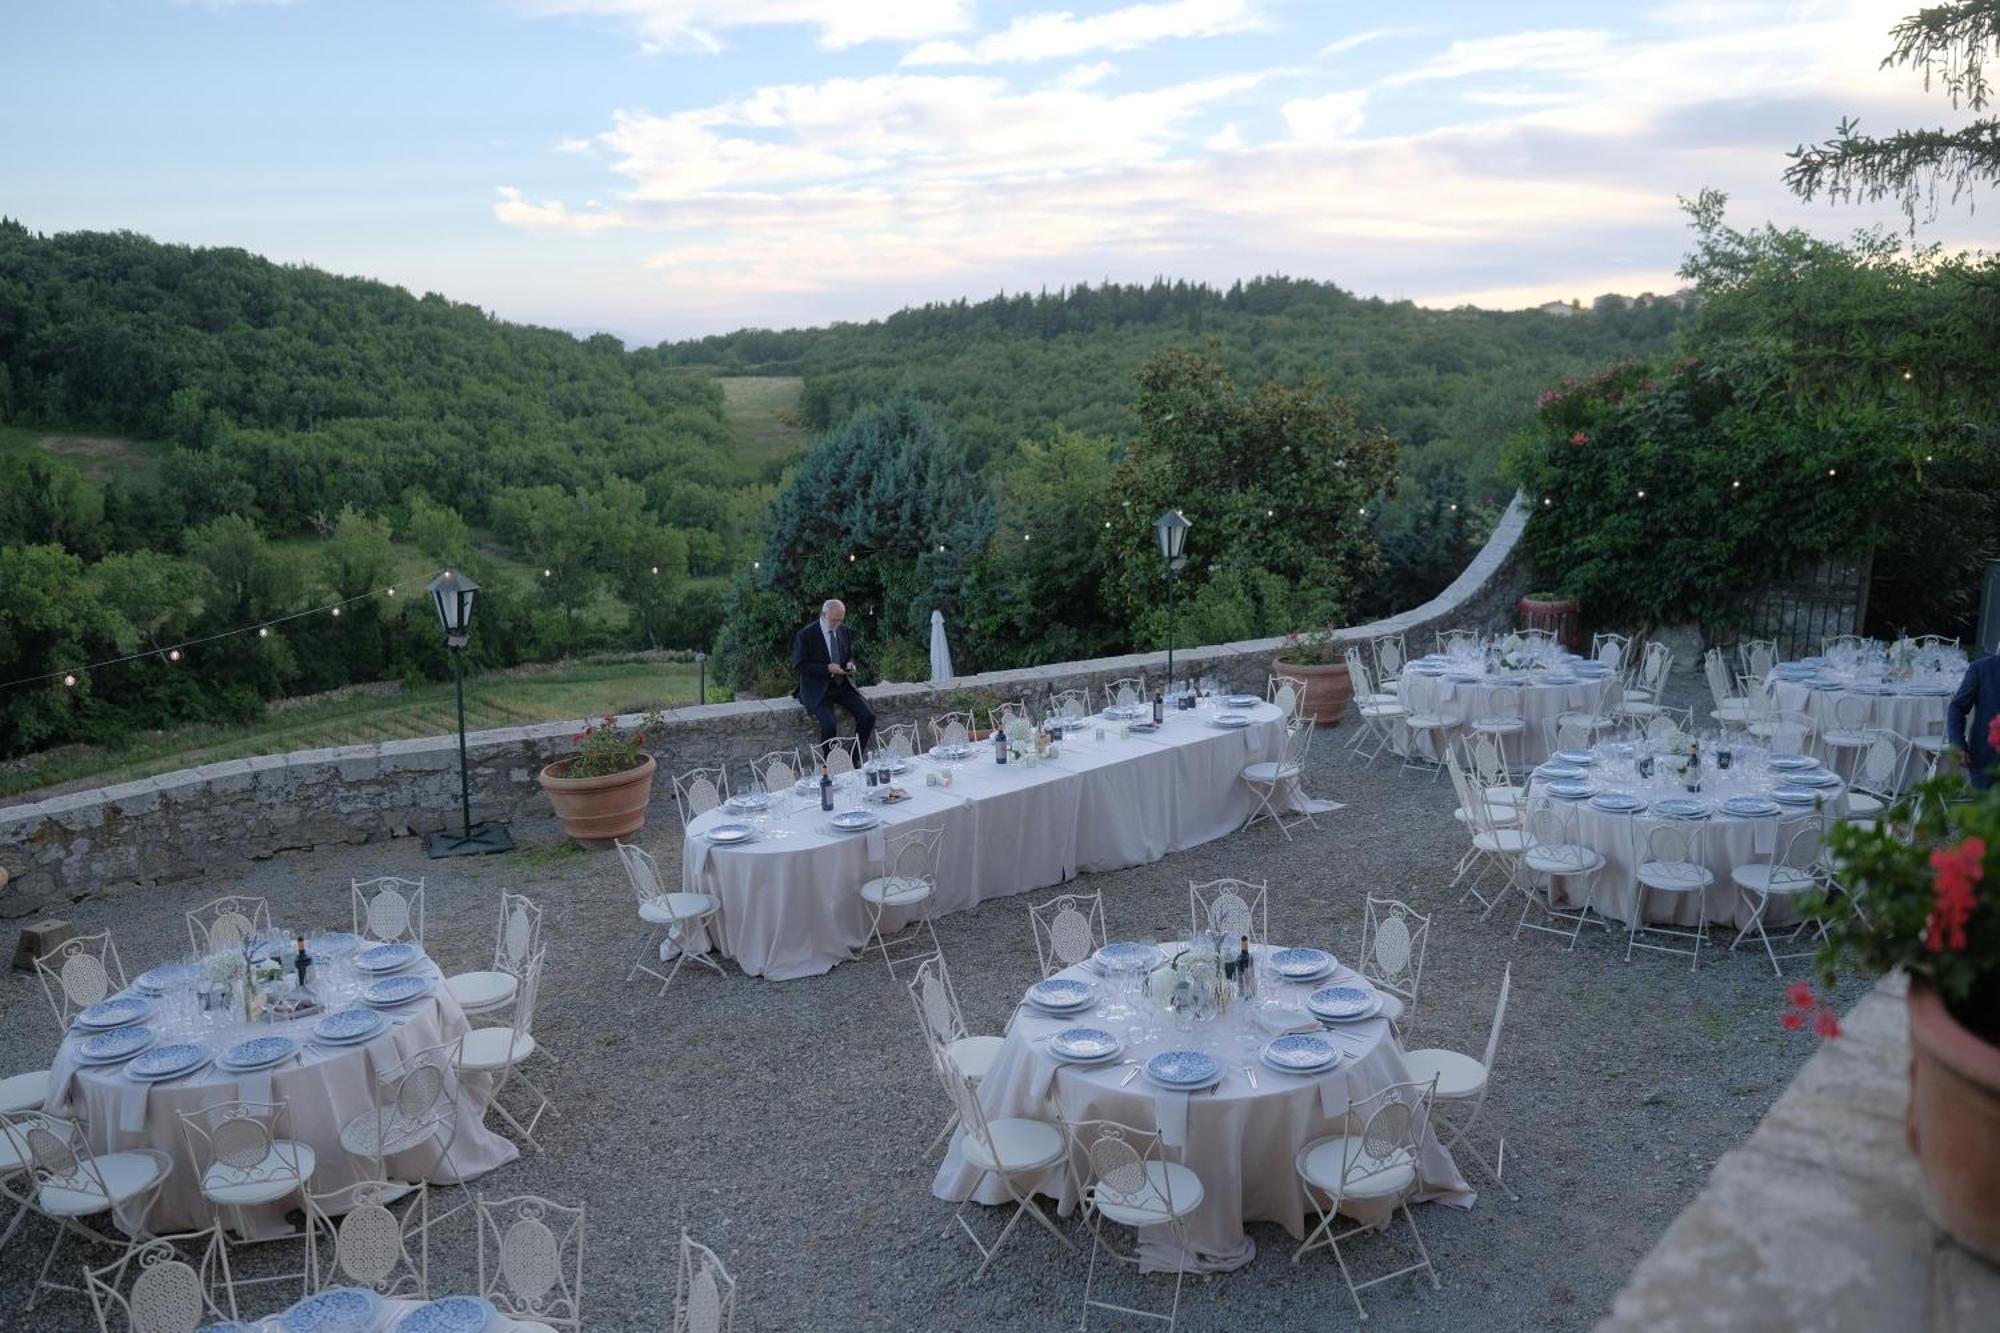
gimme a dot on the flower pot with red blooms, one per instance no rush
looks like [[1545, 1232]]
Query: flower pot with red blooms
[[1315, 658], [1920, 891], [601, 793], [1561, 616]]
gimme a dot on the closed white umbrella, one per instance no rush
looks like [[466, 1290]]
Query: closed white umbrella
[[940, 650]]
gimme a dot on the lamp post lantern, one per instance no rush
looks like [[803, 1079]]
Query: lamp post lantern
[[1172, 530], [451, 593]]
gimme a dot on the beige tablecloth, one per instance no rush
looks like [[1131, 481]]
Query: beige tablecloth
[[791, 902], [1241, 1141], [1541, 705], [324, 1088], [1906, 714]]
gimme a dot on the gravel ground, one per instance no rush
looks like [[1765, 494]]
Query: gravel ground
[[782, 1122]]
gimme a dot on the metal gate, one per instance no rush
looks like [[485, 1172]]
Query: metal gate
[[1828, 599]]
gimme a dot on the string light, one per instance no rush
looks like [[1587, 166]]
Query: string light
[[850, 558], [263, 631], [336, 613], [1908, 375], [656, 569], [1642, 495], [1364, 511], [1454, 508], [390, 591], [173, 654], [1546, 502], [1735, 485], [941, 544], [1832, 472], [548, 573], [70, 681], [1027, 537]]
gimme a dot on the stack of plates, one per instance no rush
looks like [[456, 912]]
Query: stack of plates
[[1795, 796], [1792, 762], [397, 990], [952, 751], [1428, 669], [1085, 1046], [257, 1053], [349, 1026], [1303, 964], [1681, 807], [159, 980], [1126, 956], [1061, 995], [1555, 772], [336, 1310], [725, 835], [165, 1062], [1241, 701], [1558, 678], [1344, 1004], [749, 803], [854, 821], [1929, 691], [1301, 1053], [1462, 678], [1750, 807], [1582, 758], [1589, 667], [109, 1048], [453, 1314], [1818, 777], [1231, 721], [1125, 712], [1184, 1071], [1573, 791], [117, 1012], [1618, 802], [386, 958]]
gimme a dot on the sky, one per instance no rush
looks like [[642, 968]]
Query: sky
[[670, 168]]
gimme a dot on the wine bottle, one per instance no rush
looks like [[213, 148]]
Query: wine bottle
[[302, 962], [1159, 708], [1694, 766], [1244, 985], [999, 741], [825, 787]]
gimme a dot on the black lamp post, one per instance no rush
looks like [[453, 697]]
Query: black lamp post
[[1172, 529], [451, 592]]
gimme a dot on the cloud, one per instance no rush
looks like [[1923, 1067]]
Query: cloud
[[1334, 116], [579, 146], [1559, 51], [1062, 35], [1353, 40], [697, 25], [516, 211]]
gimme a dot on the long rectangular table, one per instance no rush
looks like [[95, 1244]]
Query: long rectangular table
[[791, 902]]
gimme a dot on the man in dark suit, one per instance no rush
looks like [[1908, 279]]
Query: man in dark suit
[[1978, 699], [823, 654]]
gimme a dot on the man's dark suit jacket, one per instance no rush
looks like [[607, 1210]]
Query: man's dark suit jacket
[[1978, 699], [810, 659]]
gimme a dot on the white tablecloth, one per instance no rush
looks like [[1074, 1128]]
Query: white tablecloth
[[1903, 712], [1541, 705], [1240, 1140], [324, 1088], [791, 904]]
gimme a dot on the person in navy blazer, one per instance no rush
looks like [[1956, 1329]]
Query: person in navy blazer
[[1978, 699], [823, 655]]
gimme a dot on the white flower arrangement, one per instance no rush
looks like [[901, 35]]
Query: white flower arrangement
[[225, 967]]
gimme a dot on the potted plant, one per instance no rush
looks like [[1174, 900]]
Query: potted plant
[[1562, 616], [1913, 901], [1315, 658], [601, 792]]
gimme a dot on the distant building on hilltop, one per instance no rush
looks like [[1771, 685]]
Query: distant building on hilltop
[[1560, 308]]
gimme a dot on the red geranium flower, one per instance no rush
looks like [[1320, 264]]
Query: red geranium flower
[[1579, 438], [1792, 1022], [1826, 1023], [1993, 733], [1800, 994], [1958, 869]]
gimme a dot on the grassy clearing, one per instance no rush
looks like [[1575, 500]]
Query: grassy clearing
[[98, 457], [496, 699], [757, 407]]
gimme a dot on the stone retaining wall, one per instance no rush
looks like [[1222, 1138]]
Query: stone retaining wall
[[179, 825]]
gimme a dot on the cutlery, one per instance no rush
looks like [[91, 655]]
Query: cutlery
[[1130, 1074], [1250, 1074]]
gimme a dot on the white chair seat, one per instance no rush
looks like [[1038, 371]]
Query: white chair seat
[[1499, 726], [1018, 1145], [487, 1049], [1929, 744], [1846, 740], [1637, 708], [1736, 708], [1508, 840], [1563, 858], [1504, 815], [1429, 722], [218, 1183], [372, 1135], [1861, 803], [973, 1056], [1761, 878], [479, 991], [1506, 796], [1169, 1180], [1322, 1162], [669, 908], [1268, 772], [1674, 876], [1459, 1077], [126, 1175], [1385, 711], [24, 1092], [1865, 825], [1380, 699], [530, 1326], [891, 891]]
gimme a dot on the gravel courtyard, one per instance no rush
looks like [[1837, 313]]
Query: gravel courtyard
[[783, 1123]]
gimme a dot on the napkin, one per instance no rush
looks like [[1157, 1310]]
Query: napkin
[[876, 851], [1170, 1110], [1763, 835]]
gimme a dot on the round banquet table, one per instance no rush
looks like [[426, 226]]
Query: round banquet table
[[1460, 693], [791, 904], [1728, 840], [1910, 708], [1241, 1141], [323, 1088]]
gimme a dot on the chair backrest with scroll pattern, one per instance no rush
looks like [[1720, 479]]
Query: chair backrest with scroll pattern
[[951, 729], [1067, 929], [81, 971], [531, 1259], [1235, 907], [371, 1245], [1394, 939], [389, 909], [698, 791], [705, 1296], [168, 1295]]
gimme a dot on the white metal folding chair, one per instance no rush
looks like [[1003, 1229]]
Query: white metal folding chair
[[1498, 714], [1669, 726], [389, 909], [1487, 766], [357, 1240], [518, 939], [1785, 731], [1004, 1150], [1842, 643], [67, 1183], [499, 1052], [1669, 856], [698, 791], [1610, 650], [1564, 864], [1378, 1167], [1071, 703], [1853, 722], [1497, 837], [1878, 779], [951, 729], [908, 883], [1436, 722], [1575, 731], [1266, 778], [1642, 693], [1381, 719], [1461, 1084], [665, 917], [1794, 865], [1455, 642], [81, 971], [1288, 695], [900, 740], [1390, 654], [152, 1289], [704, 1293], [1732, 710], [244, 1158], [531, 1259], [416, 1106], [223, 924], [1013, 710], [952, 1048], [1126, 1179], [1067, 929], [1394, 939], [836, 756], [1126, 690], [1235, 907], [1757, 656]]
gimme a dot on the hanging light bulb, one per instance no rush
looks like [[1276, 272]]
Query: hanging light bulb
[[1546, 502], [392, 592], [336, 611], [756, 564], [1833, 472], [70, 681], [1454, 508], [173, 654], [656, 569], [941, 545], [1027, 537], [1642, 495], [548, 573], [1735, 485], [263, 631], [850, 557]]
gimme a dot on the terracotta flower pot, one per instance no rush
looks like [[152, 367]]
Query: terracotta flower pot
[[596, 810], [1954, 1123], [1327, 689], [1563, 615]]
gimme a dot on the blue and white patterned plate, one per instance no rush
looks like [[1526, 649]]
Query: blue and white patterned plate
[[1816, 778], [1126, 712], [1573, 791], [1749, 807], [729, 834], [1681, 807], [1784, 762], [1617, 802], [117, 1012], [1301, 964], [1183, 1070], [1060, 993], [108, 1048], [257, 1053], [1084, 1045], [1231, 721], [1127, 956], [1580, 757], [1301, 1053], [1343, 1003], [1242, 701], [338, 1310], [333, 944], [1555, 772], [1928, 691], [164, 1062], [854, 821], [349, 1026], [1427, 669], [453, 1314], [387, 957], [1796, 796], [1558, 678], [952, 751], [749, 803], [397, 990], [1462, 678], [157, 980]]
